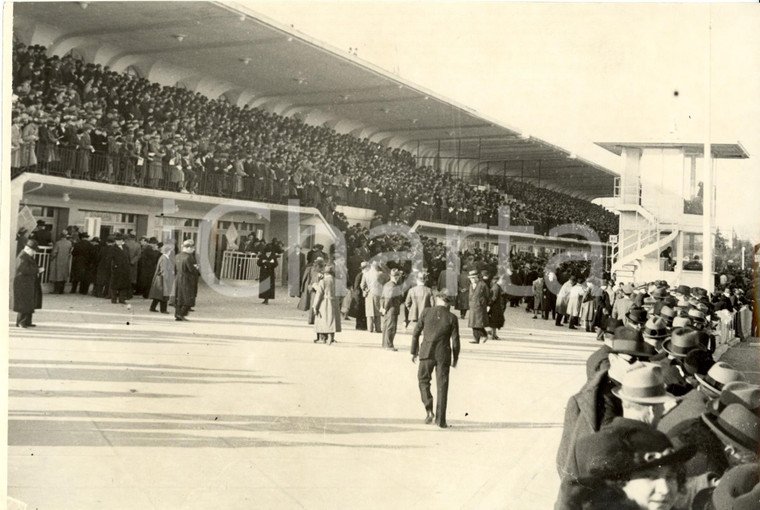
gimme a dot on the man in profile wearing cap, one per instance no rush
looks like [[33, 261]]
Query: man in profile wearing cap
[[27, 289], [439, 351], [185, 281], [390, 307]]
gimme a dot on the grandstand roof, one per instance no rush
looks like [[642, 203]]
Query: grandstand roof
[[718, 150], [299, 74]]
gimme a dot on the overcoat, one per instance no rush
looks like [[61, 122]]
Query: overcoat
[[418, 299], [372, 288], [60, 261], [120, 268], [496, 306], [267, 262], [146, 267], [563, 297], [326, 306], [479, 298], [538, 294], [185, 281], [463, 292], [574, 300], [27, 290], [133, 250], [309, 277], [81, 254], [163, 279]]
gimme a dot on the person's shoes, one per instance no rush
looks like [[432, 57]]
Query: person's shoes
[[153, 310], [485, 339], [429, 418], [113, 301], [474, 342], [31, 325], [534, 317], [122, 302], [572, 327], [167, 313], [316, 340], [559, 325], [442, 425], [330, 341], [265, 302], [391, 349], [178, 318], [24, 326]]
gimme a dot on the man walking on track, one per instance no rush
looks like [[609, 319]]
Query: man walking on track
[[439, 350]]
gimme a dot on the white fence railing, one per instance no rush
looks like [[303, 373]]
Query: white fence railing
[[242, 266], [43, 260]]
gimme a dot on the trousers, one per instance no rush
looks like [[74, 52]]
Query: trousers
[[390, 324], [425, 375]]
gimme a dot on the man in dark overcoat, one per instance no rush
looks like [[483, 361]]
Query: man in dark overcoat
[[185, 281], [267, 262], [120, 282], [439, 351], [27, 289], [479, 299], [102, 286], [81, 254], [390, 306]]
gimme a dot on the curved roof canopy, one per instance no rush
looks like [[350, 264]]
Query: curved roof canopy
[[256, 61]]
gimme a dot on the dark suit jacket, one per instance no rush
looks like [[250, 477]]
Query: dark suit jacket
[[440, 329]]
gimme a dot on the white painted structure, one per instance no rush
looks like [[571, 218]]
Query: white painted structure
[[661, 196]]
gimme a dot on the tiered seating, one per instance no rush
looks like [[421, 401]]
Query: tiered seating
[[87, 122]]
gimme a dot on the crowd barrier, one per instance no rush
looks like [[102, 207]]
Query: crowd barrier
[[43, 260], [241, 266]]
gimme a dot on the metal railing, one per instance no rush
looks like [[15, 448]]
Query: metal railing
[[43, 260], [242, 266]]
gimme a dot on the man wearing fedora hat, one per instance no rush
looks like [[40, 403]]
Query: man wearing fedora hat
[[479, 298], [390, 307], [636, 317], [738, 489], [27, 289], [633, 456], [694, 402], [738, 429], [439, 350]]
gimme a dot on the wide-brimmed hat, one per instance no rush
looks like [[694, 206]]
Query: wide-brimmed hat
[[681, 342], [627, 340], [697, 362], [683, 290], [636, 315], [697, 316], [612, 325], [628, 289], [624, 448], [737, 392], [118, 236], [188, 243], [644, 384], [698, 292], [737, 426], [656, 328], [474, 273], [681, 322], [739, 489], [718, 376], [31, 243], [667, 314], [152, 240]]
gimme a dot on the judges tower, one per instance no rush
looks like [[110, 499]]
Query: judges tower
[[666, 199]]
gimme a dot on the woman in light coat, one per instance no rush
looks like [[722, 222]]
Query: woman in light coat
[[574, 302], [326, 306]]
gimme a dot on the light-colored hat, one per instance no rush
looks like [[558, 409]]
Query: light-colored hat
[[718, 376], [188, 243], [644, 384]]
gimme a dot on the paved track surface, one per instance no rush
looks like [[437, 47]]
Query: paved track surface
[[119, 408]]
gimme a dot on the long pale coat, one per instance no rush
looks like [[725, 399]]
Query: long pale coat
[[417, 299], [326, 306], [60, 261], [372, 289], [574, 300], [563, 297], [163, 279]]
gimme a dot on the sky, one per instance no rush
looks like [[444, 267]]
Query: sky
[[575, 73]]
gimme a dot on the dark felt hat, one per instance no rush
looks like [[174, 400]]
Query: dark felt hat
[[681, 342], [630, 341]]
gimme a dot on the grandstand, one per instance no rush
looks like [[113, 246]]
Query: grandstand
[[143, 117]]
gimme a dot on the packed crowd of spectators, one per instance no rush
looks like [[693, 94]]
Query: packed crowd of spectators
[[86, 121], [544, 209]]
